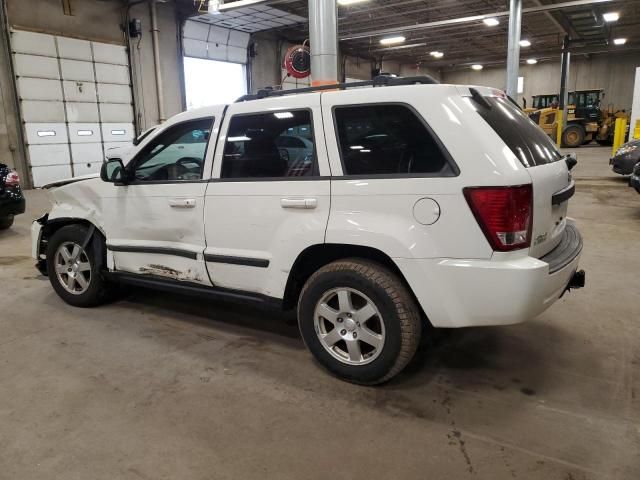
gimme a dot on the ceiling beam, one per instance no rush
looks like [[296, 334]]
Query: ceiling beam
[[469, 19]]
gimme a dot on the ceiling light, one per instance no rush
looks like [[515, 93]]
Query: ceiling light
[[477, 67], [611, 17], [350, 2], [619, 41], [283, 115], [525, 43], [392, 40], [436, 54], [491, 21], [532, 61]]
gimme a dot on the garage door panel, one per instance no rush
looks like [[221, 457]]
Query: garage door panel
[[78, 112], [116, 113], [76, 91], [86, 168], [39, 89], [87, 153], [36, 66], [77, 70], [43, 175], [106, 73], [117, 132], [74, 49], [105, 53], [46, 133], [236, 54], [42, 155], [196, 30], [33, 43], [195, 48], [41, 112], [111, 93], [84, 133]]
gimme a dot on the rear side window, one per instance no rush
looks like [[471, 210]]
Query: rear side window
[[527, 141], [388, 139], [270, 145]]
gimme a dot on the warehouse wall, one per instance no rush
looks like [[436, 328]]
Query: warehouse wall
[[614, 73], [102, 21]]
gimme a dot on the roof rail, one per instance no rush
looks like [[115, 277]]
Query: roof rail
[[379, 81]]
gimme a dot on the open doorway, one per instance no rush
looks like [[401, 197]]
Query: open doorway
[[210, 82]]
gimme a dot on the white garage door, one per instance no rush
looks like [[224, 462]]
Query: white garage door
[[75, 99]]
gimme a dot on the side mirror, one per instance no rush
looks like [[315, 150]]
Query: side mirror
[[113, 171]]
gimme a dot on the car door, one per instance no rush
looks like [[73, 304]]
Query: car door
[[155, 222], [262, 209]]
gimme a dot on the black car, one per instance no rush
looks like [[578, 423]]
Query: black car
[[634, 179], [11, 198], [626, 157]]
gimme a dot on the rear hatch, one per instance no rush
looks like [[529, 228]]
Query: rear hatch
[[550, 178]]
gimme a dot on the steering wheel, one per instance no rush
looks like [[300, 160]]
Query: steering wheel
[[183, 160]]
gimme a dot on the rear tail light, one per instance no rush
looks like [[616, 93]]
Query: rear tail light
[[12, 180], [505, 215]]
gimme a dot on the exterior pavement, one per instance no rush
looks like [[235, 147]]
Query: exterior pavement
[[164, 387]]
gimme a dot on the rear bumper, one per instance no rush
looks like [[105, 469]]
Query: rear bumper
[[466, 293], [11, 206]]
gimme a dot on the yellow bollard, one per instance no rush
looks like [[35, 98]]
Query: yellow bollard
[[618, 134], [559, 128], [636, 131]]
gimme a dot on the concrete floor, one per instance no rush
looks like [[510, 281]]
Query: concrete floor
[[164, 387]]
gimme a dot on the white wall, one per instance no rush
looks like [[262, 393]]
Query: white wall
[[614, 73]]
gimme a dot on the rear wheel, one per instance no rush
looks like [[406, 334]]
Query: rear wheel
[[6, 222], [359, 321], [74, 271], [573, 136]]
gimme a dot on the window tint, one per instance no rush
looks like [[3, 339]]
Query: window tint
[[387, 139], [525, 139], [275, 144], [177, 154]]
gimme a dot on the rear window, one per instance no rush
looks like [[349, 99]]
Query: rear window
[[527, 141], [388, 139]]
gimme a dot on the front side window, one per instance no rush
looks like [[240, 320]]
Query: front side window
[[177, 154], [387, 140], [274, 144]]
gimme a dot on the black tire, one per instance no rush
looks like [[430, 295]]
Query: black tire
[[98, 290], [573, 136], [399, 312], [6, 222]]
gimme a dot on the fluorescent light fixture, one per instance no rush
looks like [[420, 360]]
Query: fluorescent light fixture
[[532, 61], [525, 43], [619, 41], [401, 47], [476, 67], [350, 2], [366, 150], [282, 115], [242, 138], [436, 54], [611, 17], [392, 40], [356, 147], [491, 21]]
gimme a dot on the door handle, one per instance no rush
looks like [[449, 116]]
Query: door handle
[[304, 203], [182, 202]]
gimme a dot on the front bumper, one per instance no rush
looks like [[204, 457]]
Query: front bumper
[[36, 244], [623, 164], [504, 291]]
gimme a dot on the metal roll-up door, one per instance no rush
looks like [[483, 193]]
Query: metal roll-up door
[[75, 100], [201, 40]]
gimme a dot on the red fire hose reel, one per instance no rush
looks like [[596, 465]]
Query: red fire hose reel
[[297, 61]]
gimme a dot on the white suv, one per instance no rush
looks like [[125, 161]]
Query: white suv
[[409, 204]]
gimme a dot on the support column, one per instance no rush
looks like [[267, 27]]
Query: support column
[[323, 37], [513, 52], [156, 59], [564, 94]]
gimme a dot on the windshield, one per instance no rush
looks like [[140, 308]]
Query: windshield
[[527, 141]]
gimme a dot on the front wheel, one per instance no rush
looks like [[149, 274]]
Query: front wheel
[[573, 136], [359, 321], [74, 270]]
